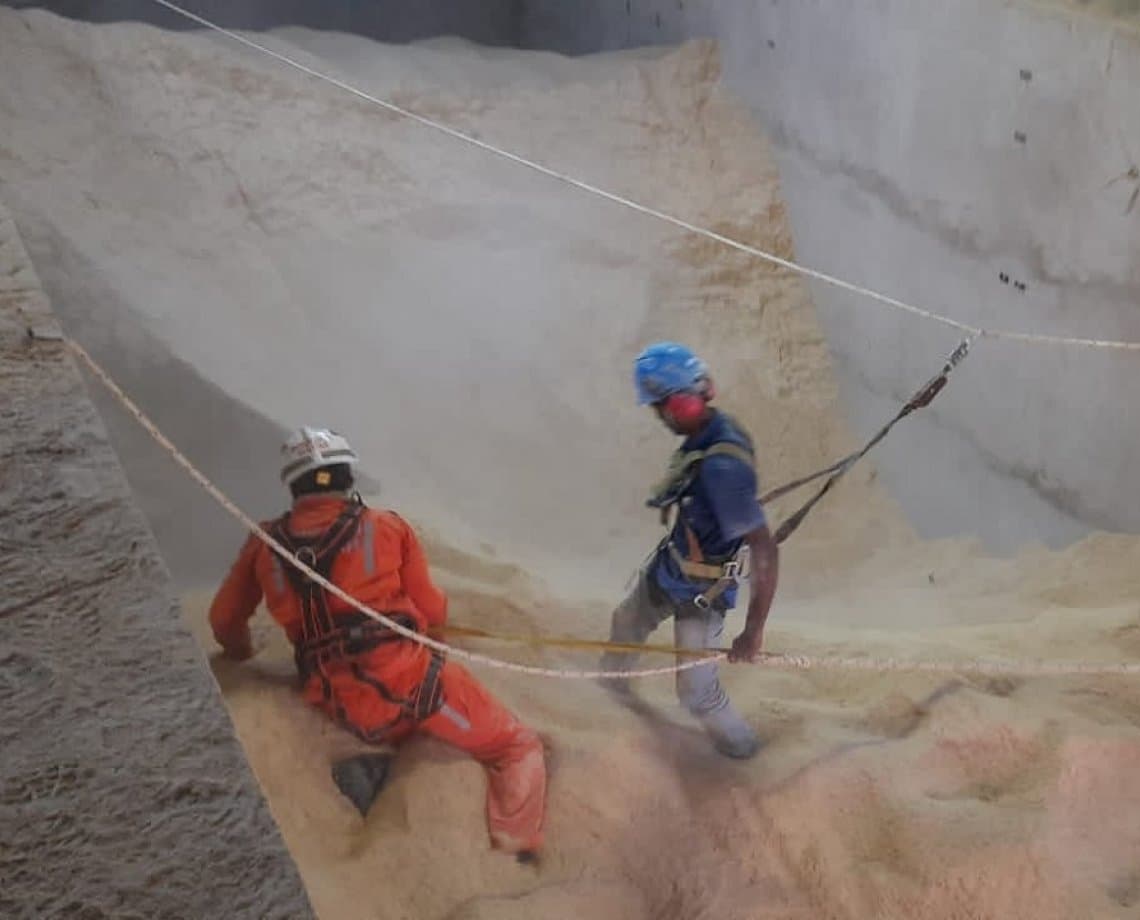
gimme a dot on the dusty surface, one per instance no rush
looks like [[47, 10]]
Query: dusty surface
[[122, 787], [291, 255], [1125, 10]]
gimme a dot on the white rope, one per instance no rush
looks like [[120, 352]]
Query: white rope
[[1027, 337], [773, 660], [266, 538]]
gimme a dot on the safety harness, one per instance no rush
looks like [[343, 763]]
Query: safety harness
[[683, 468], [326, 638], [720, 572]]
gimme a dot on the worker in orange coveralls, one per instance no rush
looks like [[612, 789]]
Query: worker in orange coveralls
[[378, 684]]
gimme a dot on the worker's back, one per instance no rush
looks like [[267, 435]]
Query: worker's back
[[381, 565], [374, 680]]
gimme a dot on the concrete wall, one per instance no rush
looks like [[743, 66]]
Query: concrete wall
[[959, 156], [586, 26], [489, 22], [123, 790], [197, 538]]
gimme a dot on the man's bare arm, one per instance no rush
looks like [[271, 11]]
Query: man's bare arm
[[764, 564]]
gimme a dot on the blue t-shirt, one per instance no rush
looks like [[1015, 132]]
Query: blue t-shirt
[[720, 506]]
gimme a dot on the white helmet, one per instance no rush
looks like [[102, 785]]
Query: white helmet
[[308, 449]]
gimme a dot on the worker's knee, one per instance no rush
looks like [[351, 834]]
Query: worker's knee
[[508, 748], [529, 746], [638, 614], [624, 620], [699, 690]]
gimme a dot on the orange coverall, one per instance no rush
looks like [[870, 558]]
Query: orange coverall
[[384, 566]]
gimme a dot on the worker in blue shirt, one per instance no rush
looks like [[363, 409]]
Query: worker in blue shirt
[[711, 491]]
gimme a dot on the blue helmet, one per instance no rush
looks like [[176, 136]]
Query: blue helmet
[[665, 368]]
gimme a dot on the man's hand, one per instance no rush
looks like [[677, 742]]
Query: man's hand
[[746, 646]]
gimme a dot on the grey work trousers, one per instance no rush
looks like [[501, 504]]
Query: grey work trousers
[[698, 689]]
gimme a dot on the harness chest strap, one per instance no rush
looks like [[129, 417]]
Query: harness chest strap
[[668, 494], [325, 638], [318, 552], [668, 491]]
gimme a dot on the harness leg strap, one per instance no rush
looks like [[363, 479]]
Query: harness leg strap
[[429, 696], [722, 577], [705, 599]]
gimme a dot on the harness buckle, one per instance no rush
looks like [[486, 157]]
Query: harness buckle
[[701, 602], [731, 569]]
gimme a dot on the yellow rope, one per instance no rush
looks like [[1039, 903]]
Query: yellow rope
[[767, 659], [580, 644]]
